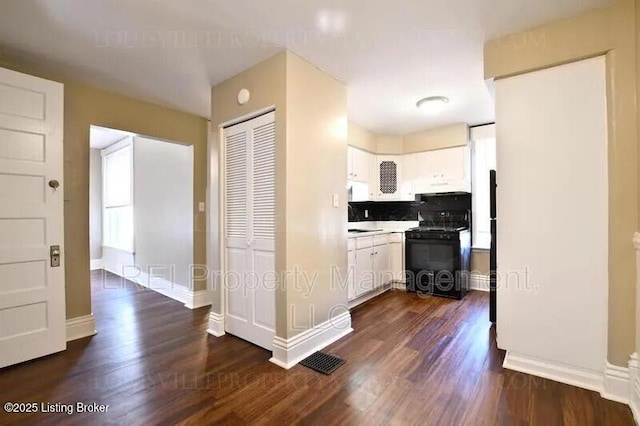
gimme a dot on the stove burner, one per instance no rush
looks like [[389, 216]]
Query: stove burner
[[438, 228]]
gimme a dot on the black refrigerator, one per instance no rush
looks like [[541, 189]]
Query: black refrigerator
[[492, 251]]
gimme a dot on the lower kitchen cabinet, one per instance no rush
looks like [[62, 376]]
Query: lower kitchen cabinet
[[364, 277], [396, 258], [351, 281], [373, 262]]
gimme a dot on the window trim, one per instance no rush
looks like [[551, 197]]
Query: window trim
[[476, 134], [125, 143]]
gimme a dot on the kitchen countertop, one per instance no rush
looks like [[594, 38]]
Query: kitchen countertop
[[374, 232]]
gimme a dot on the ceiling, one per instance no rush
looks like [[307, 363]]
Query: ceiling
[[102, 137], [388, 54]]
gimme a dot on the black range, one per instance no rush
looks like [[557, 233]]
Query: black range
[[438, 252]]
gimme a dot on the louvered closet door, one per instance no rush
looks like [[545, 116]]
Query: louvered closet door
[[250, 230]]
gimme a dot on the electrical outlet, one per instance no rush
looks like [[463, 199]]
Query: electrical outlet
[[201, 206], [366, 213], [336, 200]]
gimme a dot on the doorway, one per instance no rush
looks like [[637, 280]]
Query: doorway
[[141, 212]]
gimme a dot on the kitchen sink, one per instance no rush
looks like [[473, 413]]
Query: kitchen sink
[[363, 230]]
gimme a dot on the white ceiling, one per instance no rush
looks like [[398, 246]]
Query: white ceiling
[[388, 54], [102, 137]]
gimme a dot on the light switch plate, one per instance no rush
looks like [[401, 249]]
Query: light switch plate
[[201, 206], [336, 200]]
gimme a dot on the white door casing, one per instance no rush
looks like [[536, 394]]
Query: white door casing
[[249, 229], [32, 292]]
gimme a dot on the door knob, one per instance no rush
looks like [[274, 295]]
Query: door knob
[[54, 184]]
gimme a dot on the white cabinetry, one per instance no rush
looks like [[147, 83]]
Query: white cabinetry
[[364, 276], [408, 175], [359, 165], [443, 170], [400, 177], [351, 281], [396, 257], [381, 271], [374, 261], [387, 177]]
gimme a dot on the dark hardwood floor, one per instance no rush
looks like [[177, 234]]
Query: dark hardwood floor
[[410, 360]]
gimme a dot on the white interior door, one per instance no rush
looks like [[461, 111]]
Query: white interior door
[[32, 293], [250, 230]]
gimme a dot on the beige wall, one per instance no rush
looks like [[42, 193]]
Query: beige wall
[[83, 106], [389, 144], [361, 138], [610, 31], [310, 141], [95, 204], [316, 169], [480, 262], [424, 140], [266, 82], [437, 138]]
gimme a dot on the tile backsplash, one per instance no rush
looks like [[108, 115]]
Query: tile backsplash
[[382, 211]]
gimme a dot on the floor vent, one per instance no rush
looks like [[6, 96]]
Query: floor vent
[[322, 362]]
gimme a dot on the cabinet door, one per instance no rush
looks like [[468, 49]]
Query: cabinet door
[[364, 277], [422, 166], [396, 261], [351, 274], [408, 166], [451, 163], [350, 153], [388, 177], [361, 165], [381, 268]]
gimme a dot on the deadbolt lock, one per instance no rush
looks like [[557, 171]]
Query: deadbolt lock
[[54, 254]]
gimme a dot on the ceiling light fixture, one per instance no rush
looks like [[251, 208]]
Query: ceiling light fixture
[[331, 22], [432, 104]]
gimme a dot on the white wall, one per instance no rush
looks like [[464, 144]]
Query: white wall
[[163, 208], [95, 204], [552, 215]]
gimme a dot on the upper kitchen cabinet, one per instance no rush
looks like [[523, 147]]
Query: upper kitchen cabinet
[[443, 170], [387, 177], [408, 175], [359, 165]]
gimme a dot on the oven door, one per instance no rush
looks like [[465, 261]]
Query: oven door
[[433, 266]]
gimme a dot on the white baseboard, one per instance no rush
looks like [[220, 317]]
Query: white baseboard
[[563, 373], [634, 386], [96, 264], [198, 299], [289, 352], [216, 324], [80, 327], [479, 282], [399, 285], [373, 293], [616, 383], [162, 286]]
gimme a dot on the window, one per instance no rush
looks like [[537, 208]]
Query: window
[[117, 174], [484, 159]]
